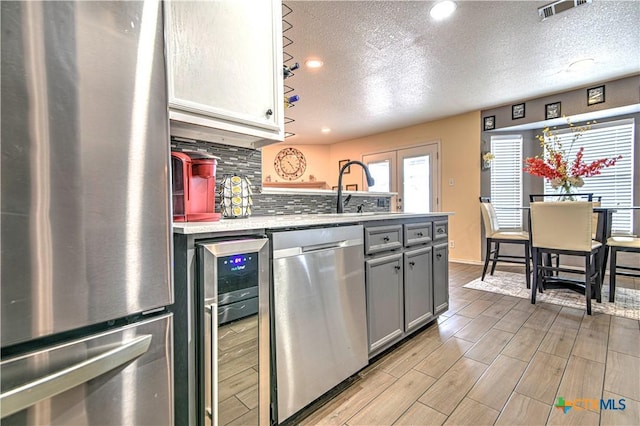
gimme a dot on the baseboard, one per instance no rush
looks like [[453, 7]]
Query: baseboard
[[466, 262], [480, 263]]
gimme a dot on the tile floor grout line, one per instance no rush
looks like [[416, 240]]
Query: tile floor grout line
[[459, 300], [565, 369]]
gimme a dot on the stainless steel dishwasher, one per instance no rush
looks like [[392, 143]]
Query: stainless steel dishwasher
[[319, 312]]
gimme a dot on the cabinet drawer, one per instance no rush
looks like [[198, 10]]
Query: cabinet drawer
[[440, 230], [417, 233], [382, 238]]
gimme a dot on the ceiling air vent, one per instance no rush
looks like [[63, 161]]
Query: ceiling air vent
[[559, 6]]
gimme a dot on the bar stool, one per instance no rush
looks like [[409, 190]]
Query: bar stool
[[621, 244], [495, 236]]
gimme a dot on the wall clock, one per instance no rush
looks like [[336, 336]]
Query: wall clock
[[290, 163]]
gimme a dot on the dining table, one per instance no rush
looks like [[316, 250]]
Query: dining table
[[603, 232]]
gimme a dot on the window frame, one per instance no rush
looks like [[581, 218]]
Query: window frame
[[615, 184], [507, 192]]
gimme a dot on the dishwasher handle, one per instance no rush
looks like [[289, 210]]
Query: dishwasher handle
[[326, 246], [295, 251]]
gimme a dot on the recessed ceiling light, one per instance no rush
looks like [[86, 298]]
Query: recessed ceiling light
[[581, 65], [325, 130], [314, 63], [442, 10]]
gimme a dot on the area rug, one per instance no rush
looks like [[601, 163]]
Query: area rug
[[627, 302]]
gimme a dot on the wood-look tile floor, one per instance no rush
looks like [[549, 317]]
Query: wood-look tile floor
[[494, 359]]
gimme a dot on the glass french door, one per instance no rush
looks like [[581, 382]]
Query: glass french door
[[413, 173]]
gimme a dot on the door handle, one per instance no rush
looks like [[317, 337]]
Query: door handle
[[211, 370], [46, 387], [412, 264]]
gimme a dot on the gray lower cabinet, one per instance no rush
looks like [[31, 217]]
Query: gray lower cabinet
[[418, 288], [441, 277], [406, 277], [385, 303]]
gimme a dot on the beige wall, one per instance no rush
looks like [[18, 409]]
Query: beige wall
[[317, 157], [459, 138]]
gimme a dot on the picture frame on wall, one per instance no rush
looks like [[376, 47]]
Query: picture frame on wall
[[352, 187], [552, 110], [517, 111], [489, 123], [595, 95], [342, 163]]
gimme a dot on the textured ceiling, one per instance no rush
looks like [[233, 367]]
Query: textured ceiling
[[388, 65]]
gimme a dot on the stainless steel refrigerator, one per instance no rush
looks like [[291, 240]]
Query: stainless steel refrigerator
[[85, 329]]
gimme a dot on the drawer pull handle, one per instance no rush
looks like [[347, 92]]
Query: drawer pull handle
[[397, 267], [419, 234], [385, 239], [440, 230], [439, 255], [412, 264]]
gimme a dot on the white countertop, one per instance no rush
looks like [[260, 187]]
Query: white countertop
[[288, 221]]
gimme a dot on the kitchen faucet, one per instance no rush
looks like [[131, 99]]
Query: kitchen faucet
[[370, 182]]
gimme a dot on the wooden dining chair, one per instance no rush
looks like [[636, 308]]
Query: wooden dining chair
[[495, 236], [564, 228], [622, 244]]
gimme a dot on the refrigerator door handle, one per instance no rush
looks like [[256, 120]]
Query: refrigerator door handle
[[211, 365], [46, 387]]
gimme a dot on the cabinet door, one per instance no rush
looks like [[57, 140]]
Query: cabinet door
[[384, 301], [225, 62], [418, 288], [441, 277]]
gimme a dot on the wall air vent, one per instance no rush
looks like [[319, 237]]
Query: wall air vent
[[559, 6]]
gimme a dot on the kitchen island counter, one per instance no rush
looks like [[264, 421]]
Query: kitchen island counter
[[397, 265], [256, 223]]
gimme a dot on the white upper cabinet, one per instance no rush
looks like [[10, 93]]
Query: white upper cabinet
[[225, 70]]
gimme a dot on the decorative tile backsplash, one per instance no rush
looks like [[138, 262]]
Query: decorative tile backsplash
[[248, 162], [242, 161]]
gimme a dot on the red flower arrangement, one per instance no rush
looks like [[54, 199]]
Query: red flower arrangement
[[555, 166]]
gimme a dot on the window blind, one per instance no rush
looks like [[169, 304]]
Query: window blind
[[614, 184], [506, 179]]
